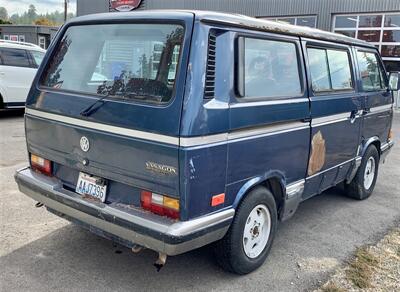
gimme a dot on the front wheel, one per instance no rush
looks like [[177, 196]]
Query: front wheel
[[363, 184], [249, 238]]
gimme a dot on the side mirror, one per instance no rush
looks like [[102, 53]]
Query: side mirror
[[394, 81]]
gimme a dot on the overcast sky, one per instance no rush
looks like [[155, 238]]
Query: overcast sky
[[42, 6]]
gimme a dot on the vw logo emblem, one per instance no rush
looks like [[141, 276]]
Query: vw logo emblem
[[85, 144]]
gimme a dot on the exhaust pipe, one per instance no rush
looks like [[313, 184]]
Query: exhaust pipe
[[160, 262], [38, 205], [137, 248]]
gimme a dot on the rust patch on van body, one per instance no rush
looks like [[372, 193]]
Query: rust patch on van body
[[318, 151]]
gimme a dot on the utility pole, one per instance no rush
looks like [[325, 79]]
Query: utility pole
[[65, 10]]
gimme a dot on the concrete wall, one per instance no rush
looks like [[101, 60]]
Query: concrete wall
[[324, 9]]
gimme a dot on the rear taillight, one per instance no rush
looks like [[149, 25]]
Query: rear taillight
[[41, 165], [159, 204]]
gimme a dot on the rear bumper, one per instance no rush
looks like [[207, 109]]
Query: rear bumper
[[129, 224]]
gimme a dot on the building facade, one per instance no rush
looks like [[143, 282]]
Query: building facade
[[376, 21], [35, 34]]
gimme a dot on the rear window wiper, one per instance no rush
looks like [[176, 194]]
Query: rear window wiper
[[100, 102], [93, 108]]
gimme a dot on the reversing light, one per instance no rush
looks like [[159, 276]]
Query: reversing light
[[159, 204], [41, 165]]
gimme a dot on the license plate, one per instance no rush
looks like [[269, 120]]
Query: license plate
[[89, 185]]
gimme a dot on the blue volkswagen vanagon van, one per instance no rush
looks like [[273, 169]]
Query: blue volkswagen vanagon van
[[172, 130]]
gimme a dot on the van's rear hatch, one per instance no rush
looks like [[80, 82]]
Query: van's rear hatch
[[107, 101]]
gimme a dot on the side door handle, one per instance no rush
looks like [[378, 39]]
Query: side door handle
[[354, 115]]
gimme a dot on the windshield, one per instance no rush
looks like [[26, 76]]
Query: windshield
[[125, 61]]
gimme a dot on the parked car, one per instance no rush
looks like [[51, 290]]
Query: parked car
[[204, 127], [18, 65]]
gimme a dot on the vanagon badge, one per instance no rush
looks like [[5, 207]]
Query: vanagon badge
[[161, 168], [84, 144]]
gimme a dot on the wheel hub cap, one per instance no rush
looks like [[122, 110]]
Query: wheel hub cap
[[369, 173], [256, 231]]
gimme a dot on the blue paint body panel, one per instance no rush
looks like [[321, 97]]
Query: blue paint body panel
[[228, 161]]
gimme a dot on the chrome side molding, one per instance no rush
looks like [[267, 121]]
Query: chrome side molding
[[295, 189]]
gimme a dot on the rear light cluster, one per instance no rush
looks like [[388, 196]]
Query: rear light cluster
[[41, 165], [159, 204]]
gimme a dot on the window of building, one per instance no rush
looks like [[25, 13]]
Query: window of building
[[391, 36], [14, 57], [288, 20], [380, 29], [390, 51], [330, 69], [372, 36], [392, 20], [6, 37], [14, 38], [392, 66], [346, 22], [42, 42], [21, 38], [269, 69], [370, 21], [309, 21], [371, 73]]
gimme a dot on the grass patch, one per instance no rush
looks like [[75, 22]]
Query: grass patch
[[331, 287], [361, 268]]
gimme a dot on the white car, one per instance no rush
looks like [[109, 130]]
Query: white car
[[18, 65]]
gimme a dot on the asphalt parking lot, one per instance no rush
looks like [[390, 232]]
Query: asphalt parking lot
[[40, 252]]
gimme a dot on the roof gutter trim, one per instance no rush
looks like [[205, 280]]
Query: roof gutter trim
[[281, 31]]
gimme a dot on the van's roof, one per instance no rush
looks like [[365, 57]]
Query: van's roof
[[232, 20]]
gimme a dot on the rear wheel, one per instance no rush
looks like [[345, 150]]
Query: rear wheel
[[249, 239], [363, 184]]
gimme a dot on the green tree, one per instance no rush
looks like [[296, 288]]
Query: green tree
[[5, 21], [3, 14], [44, 21], [32, 14]]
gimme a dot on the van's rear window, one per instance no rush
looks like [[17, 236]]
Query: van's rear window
[[124, 61]]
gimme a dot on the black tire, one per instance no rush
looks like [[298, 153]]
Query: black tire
[[229, 251], [357, 189]]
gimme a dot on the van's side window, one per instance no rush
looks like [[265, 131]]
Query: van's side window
[[330, 69], [371, 73], [270, 69]]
